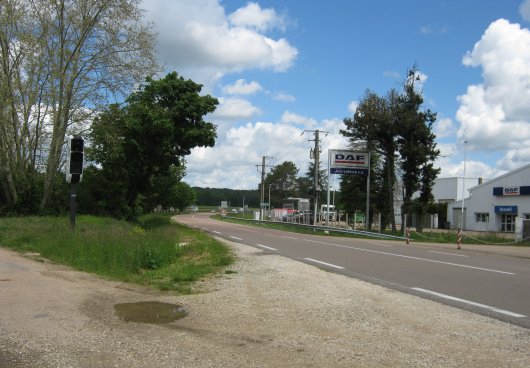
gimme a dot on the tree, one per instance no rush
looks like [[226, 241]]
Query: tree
[[62, 60], [395, 128], [374, 128], [145, 140], [306, 184], [417, 147], [283, 179]]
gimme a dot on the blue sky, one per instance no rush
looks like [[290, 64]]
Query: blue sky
[[282, 67]]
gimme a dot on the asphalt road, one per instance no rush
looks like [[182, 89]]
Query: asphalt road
[[494, 285]]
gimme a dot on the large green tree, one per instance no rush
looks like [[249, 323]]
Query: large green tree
[[143, 141], [397, 130], [417, 147], [374, 128], [61, 61], [283, 180]]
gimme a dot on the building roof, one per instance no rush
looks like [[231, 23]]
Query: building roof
[[491, 181]]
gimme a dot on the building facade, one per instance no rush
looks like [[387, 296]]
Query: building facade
[[495, 205]]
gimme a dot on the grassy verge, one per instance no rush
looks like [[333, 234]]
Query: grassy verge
[[426, 236], [154, 251]]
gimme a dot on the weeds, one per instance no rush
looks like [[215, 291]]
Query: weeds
[[148, 251]]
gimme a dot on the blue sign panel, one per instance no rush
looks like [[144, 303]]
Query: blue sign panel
[[505, 209], [336, 170]]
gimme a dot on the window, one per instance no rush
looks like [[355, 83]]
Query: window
[[527, 216], [508, 222], [482, 217]]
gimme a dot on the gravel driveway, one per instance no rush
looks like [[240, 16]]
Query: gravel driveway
[[271, 312]]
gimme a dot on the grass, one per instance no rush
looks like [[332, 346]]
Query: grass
[[153, 251]]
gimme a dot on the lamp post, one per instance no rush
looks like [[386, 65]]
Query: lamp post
[[464, 186]]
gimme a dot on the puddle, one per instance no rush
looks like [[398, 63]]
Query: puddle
[[150, 312]]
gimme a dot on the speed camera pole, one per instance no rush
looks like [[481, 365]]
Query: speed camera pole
[[73, 204], [74, 172]]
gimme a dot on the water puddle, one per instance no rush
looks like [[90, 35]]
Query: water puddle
[[150, 312]]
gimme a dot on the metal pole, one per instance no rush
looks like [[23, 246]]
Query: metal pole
[[464, 186], [329, 164], [368, 195], [262, 186], [317, 160], [270, 201], [73, 195]]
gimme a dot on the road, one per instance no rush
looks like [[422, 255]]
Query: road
[[493, 285]]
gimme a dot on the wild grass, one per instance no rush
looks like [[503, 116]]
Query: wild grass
[[152, 251]]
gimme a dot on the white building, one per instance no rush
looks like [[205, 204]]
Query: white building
[[445, 190], [494, 205]]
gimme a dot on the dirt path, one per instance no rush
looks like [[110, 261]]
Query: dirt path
[[272, 312]]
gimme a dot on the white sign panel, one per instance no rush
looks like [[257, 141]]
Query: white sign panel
[[348, 162]]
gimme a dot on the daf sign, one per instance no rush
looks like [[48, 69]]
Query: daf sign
[[348, 162]]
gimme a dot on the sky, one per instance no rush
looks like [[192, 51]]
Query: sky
[[283, 69]]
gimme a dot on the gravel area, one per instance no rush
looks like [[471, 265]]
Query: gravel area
[[270, 312]]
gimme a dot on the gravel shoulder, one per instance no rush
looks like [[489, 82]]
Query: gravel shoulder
[[272, 312]]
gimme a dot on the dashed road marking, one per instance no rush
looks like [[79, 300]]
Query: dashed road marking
[[449, 297], [264, 246], [324, 263]]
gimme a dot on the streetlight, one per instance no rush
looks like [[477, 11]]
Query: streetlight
[[464, 186]]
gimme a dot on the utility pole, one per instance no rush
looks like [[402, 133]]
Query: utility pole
[[315, 153], [262, 198], [317, 164]]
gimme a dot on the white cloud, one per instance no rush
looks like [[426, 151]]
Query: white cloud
[[392, 74], [234, 109], [524, 10], [425, 29], [495, 115], [253, 16], [197, 38], [352, 106], [284, 97], [241, 87], [444, 128], [514, 159], [232, 162], [474, 169], [295, 119]]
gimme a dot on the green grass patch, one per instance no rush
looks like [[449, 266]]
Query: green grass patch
[[152, 251]]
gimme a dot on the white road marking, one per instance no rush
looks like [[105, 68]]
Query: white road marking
[[217, 232], [384, 245], [235, 237], [324, 263], [289, 237], [264, 246], [410, 257], [449, 254], [508, 313]]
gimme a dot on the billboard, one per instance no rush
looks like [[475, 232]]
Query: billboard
[[349, 162]]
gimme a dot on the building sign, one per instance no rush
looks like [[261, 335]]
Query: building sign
[[348, 162], [506, 209], [511, 191]]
